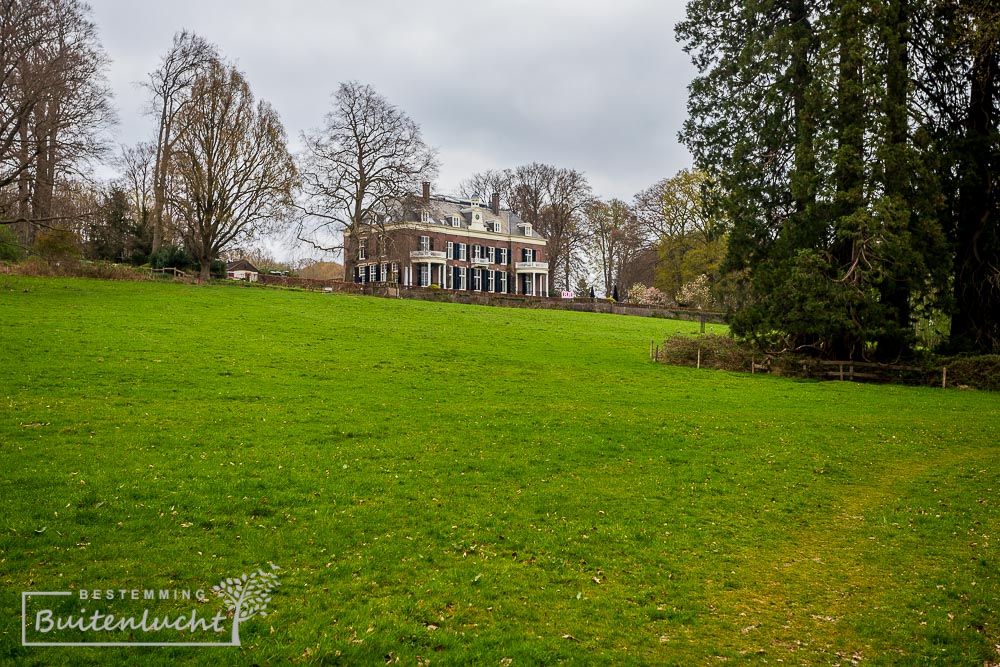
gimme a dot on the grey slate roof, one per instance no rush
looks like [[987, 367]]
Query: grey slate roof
[[442, 209]]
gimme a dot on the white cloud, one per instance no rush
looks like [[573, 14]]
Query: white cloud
[[595, 86]]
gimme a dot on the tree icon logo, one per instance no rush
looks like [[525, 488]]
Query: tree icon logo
[[247, 596]]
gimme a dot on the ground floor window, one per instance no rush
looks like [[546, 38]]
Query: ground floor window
[[425, 275], [527, 284]]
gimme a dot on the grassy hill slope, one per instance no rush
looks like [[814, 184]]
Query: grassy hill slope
[[468, 485]]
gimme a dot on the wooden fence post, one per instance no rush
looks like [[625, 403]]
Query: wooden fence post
[[699, 356], [944, 377]]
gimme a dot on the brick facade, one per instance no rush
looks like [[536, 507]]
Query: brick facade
[[454, 244]]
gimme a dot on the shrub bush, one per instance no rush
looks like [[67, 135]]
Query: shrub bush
[[57, 245], [172, 257], [71, 268], [717, 351], [982, 372], [10, 246]]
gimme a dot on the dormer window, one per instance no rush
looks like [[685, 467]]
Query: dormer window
[[425, 216], [456, 221], [527, 229]]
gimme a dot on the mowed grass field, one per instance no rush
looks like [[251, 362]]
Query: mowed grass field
[[445, 484]]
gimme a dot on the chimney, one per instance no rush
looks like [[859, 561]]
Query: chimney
[[427, 192], [495, 203]]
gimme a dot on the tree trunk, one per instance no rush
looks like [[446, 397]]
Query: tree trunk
[[896, 288], [803, 178], [975, 325], [205, 274]]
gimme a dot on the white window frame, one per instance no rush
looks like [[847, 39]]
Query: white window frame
[[492, 253], [462, 277], [490, 283], [424, 243], [503, 256], [451, 250], [503, 282], [424, 275], [456, 221], [463, 250], [425, 216], [362, 250]]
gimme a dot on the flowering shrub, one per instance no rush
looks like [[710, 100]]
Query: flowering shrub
[[696, 293], [646, 296]]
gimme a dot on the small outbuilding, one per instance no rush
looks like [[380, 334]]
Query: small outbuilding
[[242, 270]]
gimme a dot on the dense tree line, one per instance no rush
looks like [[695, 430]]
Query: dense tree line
[[217, 172], [853, 148]]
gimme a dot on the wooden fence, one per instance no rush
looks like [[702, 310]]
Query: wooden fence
[[851, 371]]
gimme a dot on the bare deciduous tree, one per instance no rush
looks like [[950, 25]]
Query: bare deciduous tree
[[568, 192], [233, 173], [137, 164], [171, 86], [675, 207], [54, 105], [491, 182], [613, 235], [530, 191], [24, 80], [552, 200], [366, 159]]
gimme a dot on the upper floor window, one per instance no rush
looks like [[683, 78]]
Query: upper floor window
[[527, 229], [503, 256], [425, 216], [456, 221], [362, 249], [527, 254], [462, 251], [492, 253]]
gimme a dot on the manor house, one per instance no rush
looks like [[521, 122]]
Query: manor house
[[454, 244]]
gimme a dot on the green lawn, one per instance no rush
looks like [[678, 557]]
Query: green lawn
[[453, 484]]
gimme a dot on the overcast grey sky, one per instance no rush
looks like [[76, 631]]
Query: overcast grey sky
[[598, 86]]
